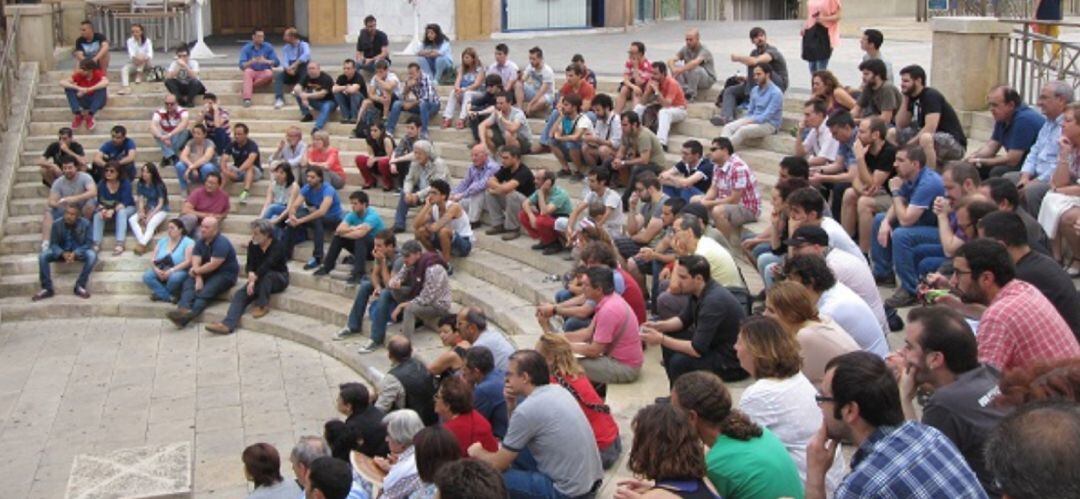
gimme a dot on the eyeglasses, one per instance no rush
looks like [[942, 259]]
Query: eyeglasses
[[821, 399]]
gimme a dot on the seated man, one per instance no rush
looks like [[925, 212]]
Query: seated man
[[257, 60], [213, 271], [418, 96], [690, 177], [869, 193], [702, 336], [636, 76], [926, 119], [70, 239], [1020, 327], [610, 344], [442, 225], [487, 382], [835, 177], [86, 91], [598, 191], [318, 207], [386, 263], [349, 92], [817, 144], [644, 224], [879, 98], [267, 273], [291, 151], [575, 85], [210, 200], [733, 198], [65, 145], [216, 120], [1006, 196], [651, 260], [734, 95], [1030, 445], [571, 127], [363, 420], [372, 45], [429, 301], [692, 66], [606, 136], [641, 151], [314, 93], [72, 188], [1016, 126], [469, 193], [506, 191], [763, 115], [483, 105], [503, 67], [169, 127], [356, 234], [197, 159], [507, 126], [543, 423], [540, 211], [806, 207], [870, 43], [424, 168], [241, 160], [408, 384], [473, 326], [535, 90], [295, 56], [384, 89], [182, 78], [1038, 167], [664, 91], [689, 239], [91, 46], [118, 148]]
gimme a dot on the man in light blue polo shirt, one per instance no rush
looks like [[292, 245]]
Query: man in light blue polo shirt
[[257, 60], [321, 210], [765, 112], [295, 55], [356, 234], [1033, 179], [1015, 129]]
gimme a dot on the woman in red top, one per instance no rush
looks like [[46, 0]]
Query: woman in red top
[[321, 155], [86, 93], [453, 404], [566, 371]]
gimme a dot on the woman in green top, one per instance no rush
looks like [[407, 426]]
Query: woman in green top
[[745, 461]]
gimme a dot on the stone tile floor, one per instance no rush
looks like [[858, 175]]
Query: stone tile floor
[[92, 386]]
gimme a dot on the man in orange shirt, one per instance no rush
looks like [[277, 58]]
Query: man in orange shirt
[[663, 89]]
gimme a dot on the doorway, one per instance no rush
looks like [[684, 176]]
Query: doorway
[[242, 16]]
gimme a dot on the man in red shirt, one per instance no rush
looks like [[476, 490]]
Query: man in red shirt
[[86, 93], [206, 201], [1020, 327], [664, 90], [636, 75]]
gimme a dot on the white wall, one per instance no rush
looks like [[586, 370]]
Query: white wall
[[395, 17]]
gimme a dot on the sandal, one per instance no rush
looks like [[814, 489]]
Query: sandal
[[460, 124], [118, 250], [446, 123]]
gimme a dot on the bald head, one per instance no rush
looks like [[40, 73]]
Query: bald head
[[693, 38], [399, 348], [313, 69], [209, 228], [479, 155], [1033, 452]]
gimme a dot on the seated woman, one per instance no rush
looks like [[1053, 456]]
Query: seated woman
[[1060, 209], [140, 57], [826, 87], [781, 397], [267, 273], [450, 362], [401, 478], [115, 203], [262, 465], [435, 447], [666, 451], [168, 269], [434, 56], [566, 371], [151, 206], [454, 405], [470, 77], [820, 339], [197, 159], [281, 190], [380, 145], [320, 155]]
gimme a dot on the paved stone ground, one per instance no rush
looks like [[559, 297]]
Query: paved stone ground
[[70, 387]]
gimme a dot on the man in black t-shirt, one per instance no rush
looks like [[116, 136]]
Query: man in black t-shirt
[[349, 92], [91, 45], [926, 118], [734, 95], [507, 190], [372, 45], [241, 161], [64, 146], [869, 194], [315, 91]]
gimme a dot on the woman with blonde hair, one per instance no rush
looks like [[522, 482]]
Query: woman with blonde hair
[[820, 339], [320, 155], [469, 85], [568, 373]]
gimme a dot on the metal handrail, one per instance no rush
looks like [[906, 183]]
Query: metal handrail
[[9, 70], [1033, 59]]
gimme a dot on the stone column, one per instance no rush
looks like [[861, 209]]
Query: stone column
[[968, 59], [35, 36], [72, 13]]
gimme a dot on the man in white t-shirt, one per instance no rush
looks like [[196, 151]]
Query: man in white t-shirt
[[385, 88], [535, 92], [182, 78], [169, 127], [817, 145], [598, 191], [805, 207], [507, 126]]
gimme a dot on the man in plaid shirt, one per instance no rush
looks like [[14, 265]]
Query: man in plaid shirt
[[419, 96], [733, 197], [1020, 326], [860, 403]]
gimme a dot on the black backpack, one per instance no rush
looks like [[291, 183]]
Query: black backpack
[[816, 45]]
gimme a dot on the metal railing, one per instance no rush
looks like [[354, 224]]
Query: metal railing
[[1033, 59], [9, 70]]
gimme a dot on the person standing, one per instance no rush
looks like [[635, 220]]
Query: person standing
[[822, 18]]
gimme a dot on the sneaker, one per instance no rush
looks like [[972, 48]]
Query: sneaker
[[76, 122], [243, 197], [885, 280], [218, 328], [90, 122], [511, 235], [307, 118], [368, 347], [900, 299], [321, 272], [44, 245], [81, 292], [717, 121], [43, 295], [312, 263], [278, 104], [247, 102], [496, 230], [344, 334]]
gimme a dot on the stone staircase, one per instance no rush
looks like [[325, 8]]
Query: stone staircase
[[505, 279]]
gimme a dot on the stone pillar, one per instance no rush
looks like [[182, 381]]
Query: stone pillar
[[35, 36], [968, 59], [72, 13]]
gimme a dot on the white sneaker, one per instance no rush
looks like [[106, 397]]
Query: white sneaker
[[368, 347], [278, 104], [344, 334], [44, 245]]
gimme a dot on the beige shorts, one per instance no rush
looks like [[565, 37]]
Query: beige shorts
[[739, 215]]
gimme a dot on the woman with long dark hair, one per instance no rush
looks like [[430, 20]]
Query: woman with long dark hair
[[116, 204], [151, 206], [377, 163], [435, 53], [140, 55], [169, 267]]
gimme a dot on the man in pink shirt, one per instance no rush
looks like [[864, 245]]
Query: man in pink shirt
[[611, 343], [206, 201], [1020, 327], [636, 75]]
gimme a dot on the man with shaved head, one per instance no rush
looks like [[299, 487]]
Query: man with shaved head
[[315, 93], [692, 66], [213, 271]]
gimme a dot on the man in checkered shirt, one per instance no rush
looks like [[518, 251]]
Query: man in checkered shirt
[[1020, 326], [860, 403], [733, 198]]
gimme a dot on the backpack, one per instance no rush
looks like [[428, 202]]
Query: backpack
[[816, 45]]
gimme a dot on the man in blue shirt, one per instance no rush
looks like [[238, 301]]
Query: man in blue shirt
[[257, 60], [765, 112], [118, 148], [295, 55], [1033, 179], [1016, 127], [860, 403], [487, 382], [909, 222], [213, 271], [321, 210], [355, 233], [68, 241], [690, 177]]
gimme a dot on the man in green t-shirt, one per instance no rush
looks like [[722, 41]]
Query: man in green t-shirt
[[539, 211], [640, 151]]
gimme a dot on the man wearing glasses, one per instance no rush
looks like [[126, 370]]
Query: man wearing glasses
[[182, 78], [170, 130]]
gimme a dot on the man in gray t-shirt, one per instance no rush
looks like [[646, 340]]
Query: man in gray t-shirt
[[473, 326], [692, 66], [74, 188], [550, 425]]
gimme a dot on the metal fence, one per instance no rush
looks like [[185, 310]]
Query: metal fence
[[9, 70], [1033, 59]]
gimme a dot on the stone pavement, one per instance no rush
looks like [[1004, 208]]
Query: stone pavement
[[92, 386]]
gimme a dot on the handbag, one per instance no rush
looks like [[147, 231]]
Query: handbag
[[165, 263]]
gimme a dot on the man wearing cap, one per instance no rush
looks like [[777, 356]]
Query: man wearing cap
[[849, 270]]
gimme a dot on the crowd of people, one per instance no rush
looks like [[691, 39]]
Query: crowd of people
[[880, 189]]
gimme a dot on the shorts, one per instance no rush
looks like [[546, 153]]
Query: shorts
[[567, 146], [946, 146], [530, 94], [739, 215], [882, 201], [626, 246], [258, 172], [459, 246]]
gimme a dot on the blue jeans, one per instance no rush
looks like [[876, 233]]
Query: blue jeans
[[545, 136], [271, 282], [281, 78], [570, 323], [765, 263], [900, 252], [434, 67], [348, 104], [273, 210], [55, 254], [325, 108], [120, 220], [685, 193], [459, 246], [402, 211], [221, 138], [524, 480], [426, 111], [204, 170], [821, 65], [93, 102], [167, 290], [380, 310], [928, 258], [318, 229], [177, 144], [213, 285]]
